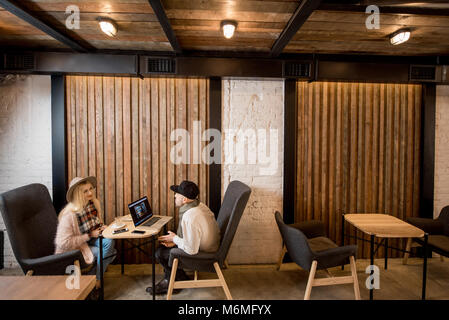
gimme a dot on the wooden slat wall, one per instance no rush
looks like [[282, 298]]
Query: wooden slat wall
[[119, 129], [358, 149]]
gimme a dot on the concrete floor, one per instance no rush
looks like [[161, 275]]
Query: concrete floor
[[264, 282]]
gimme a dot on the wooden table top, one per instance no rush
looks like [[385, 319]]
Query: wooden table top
[[127, 220], [383, 225], [43, 288]]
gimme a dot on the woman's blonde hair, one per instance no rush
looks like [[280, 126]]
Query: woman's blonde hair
[[77, 202]]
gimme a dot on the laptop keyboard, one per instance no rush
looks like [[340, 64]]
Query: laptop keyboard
[[151, 222]]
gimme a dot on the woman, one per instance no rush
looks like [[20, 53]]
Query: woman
[[80, 224]]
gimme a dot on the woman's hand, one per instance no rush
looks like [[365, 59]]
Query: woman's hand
[[95, 233]]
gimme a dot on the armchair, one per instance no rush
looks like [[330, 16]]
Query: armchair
[[31, 223], [318, 252], [438, 230]]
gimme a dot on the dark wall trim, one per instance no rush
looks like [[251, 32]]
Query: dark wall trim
[[215, 91], [39, 24], [330, 68], [427, 150], [58, 135], [72, 63], [290, 116]]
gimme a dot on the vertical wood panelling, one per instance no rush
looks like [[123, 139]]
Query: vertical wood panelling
[[119, 131], [358, 148]]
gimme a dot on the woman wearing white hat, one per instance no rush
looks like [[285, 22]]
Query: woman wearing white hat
[[80, 224]]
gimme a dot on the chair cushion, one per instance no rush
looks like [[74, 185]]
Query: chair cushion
[[202, 261], [321, 243]]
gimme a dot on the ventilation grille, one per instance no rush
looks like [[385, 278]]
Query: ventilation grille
[[161, 65], [297, 69], [423, 73], [17, 62]]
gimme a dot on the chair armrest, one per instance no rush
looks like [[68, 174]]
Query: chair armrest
[[429, 226], [336, 256], [311, 229], [52, 265]]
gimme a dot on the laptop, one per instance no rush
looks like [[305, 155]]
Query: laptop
[[142, 214]]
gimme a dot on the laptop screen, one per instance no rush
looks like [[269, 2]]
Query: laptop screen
[[140, 211]]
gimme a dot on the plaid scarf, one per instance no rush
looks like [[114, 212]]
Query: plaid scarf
[[88, 218]]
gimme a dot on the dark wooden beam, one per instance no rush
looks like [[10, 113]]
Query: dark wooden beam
[[215, 92], [429, 11], [427, 150], [39, 24], [165, 24], [290, 130], [298, 18], [59, 148]]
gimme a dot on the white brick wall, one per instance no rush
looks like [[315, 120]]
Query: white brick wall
[[25, 139], [255, 104]]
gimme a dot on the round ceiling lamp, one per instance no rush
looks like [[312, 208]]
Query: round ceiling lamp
[[400, 36], [108, 26], [228, 27]]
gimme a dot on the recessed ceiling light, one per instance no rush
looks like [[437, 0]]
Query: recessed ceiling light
[[108, 26], [400, 36], [228, 27]]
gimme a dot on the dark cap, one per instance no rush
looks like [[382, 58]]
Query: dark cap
[[187, 188]]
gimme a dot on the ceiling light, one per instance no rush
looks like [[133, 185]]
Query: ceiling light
[[108, 26], [400, 36], [228, 27]]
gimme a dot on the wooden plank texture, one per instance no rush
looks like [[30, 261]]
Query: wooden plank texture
[[358, 151], [119, 131]]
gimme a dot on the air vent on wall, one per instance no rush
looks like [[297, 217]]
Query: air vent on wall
[[17, 62], [297, 69], [161, 65], [423, 73]]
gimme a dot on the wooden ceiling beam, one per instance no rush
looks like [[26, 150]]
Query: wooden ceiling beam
[[39, 24], [428, 11], [165, 24], [298, 18]]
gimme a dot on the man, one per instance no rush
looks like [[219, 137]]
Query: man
[[197, 231]]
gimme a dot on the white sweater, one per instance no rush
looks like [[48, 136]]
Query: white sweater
[[200, 231]]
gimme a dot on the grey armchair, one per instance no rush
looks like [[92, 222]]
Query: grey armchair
[[31, 223], [318, 252], [231, 210], [438, 230]]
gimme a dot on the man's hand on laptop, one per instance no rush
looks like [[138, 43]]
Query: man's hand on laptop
[[167, 240]]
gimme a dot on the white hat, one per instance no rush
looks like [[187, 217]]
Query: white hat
[[76, 181]]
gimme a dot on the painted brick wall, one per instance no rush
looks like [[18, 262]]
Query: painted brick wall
[[25, 138], [441, 191], [254, 107]]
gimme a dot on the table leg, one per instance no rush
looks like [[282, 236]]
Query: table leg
[[100, 249], [386, 253], [424, 271], [122, 259], [342, 235], [153, 249], [371, 290]]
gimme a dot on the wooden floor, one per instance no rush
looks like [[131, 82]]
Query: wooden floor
[[399, 282]]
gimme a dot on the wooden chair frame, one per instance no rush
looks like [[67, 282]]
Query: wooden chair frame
[[411, 244], [312, 282], [220, 282]]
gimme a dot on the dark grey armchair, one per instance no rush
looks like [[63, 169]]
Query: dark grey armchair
[[438, 230], [234, 203], [31, 223], [317, 253]]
